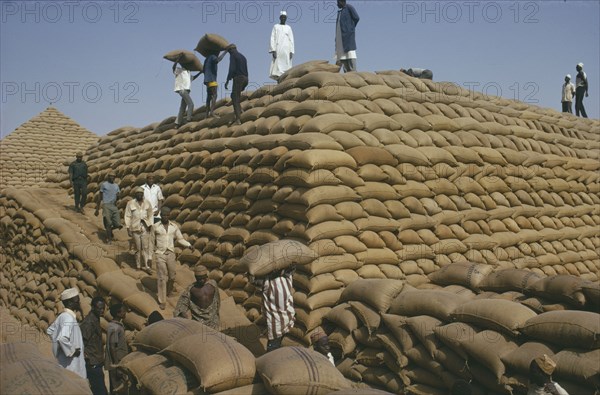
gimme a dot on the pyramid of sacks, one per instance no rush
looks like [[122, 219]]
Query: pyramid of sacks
[[38, 150], [383, 175]]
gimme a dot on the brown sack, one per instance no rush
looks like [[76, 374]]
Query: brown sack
[[362, 291], [579, 329], [188, 60], [497, 314], [277, 255], [211, 43], [298, 370], [436, 303]]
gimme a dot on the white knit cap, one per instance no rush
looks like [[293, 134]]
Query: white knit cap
[[580, 65], [69, 293], [568, 76], [283, 13]]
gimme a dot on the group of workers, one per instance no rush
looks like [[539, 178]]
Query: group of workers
[[579, 90]]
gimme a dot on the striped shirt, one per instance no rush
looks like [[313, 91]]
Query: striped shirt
[[278, 305]]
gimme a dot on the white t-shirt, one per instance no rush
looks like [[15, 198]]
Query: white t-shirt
[[183, 79], [153, 194], [535, 390]]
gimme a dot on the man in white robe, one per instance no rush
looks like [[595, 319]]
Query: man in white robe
[[67, 342], [281, 47]]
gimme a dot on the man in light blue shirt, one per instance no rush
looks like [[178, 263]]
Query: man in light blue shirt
[[108, 196]]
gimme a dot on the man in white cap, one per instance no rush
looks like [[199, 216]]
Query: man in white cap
[[581, 88], [568, 90], [540, 377], [281, 47], [67, 342], [138, 220]]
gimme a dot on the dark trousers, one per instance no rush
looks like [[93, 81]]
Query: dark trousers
[[274, 344], [239, 84], [567, 106], [80, 192], [95, 375], [211, 99], [579, 92]]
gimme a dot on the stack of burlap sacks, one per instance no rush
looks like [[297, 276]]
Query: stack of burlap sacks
[[472, 324], [383, 175], [179, 356], [45, 254], [41, 149], [26, 371]]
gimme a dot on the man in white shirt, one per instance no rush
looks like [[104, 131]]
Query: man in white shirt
[[183, 86], [153, 194], [281, 47], [165, 233], [568, 90], [138, 220], [67, 341]]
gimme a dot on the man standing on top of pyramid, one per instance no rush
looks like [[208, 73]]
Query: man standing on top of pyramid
[[281, 47], [78, 176], [345, 38], [183, 87]]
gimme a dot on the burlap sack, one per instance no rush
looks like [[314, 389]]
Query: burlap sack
[[560, 287], [167, 380], [218, 361], [520, 359], [186, 58], [162, 334], [362, 290], [299, 371], [277, 255], [579, 329], [464, 273], [509, 280], [488, 347], [211, 43], [497, 314], [436, 303]]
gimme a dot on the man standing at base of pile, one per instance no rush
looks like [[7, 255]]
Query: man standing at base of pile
[[138, 220], [67, 341], [93, 348], [281, 47], [581, 88], [108, 196], [164, 234], [568, 90], [540, 377], [78, 175], [116, 347], [345, 37], [238, 72], [200, 301], [277, 305]]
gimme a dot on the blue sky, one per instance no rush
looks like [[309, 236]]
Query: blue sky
[[101, 62]]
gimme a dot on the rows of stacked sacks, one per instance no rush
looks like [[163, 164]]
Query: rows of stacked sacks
[[380, 174], [472, 324], [178, 356], [40, 150], [44, 254]]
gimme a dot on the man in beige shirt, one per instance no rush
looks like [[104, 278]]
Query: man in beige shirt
[[165, 233], [138, 220], [568, 90]]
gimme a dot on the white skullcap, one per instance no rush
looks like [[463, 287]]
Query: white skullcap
[[283, 13], [580, 65], [69, 293], [568, 76]]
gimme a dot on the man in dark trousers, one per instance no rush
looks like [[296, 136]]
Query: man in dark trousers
[[78, 175], [210, 80], [238, 72], [107, 197], [116, 347], [581, 88], [93, 350], [345, 38]]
